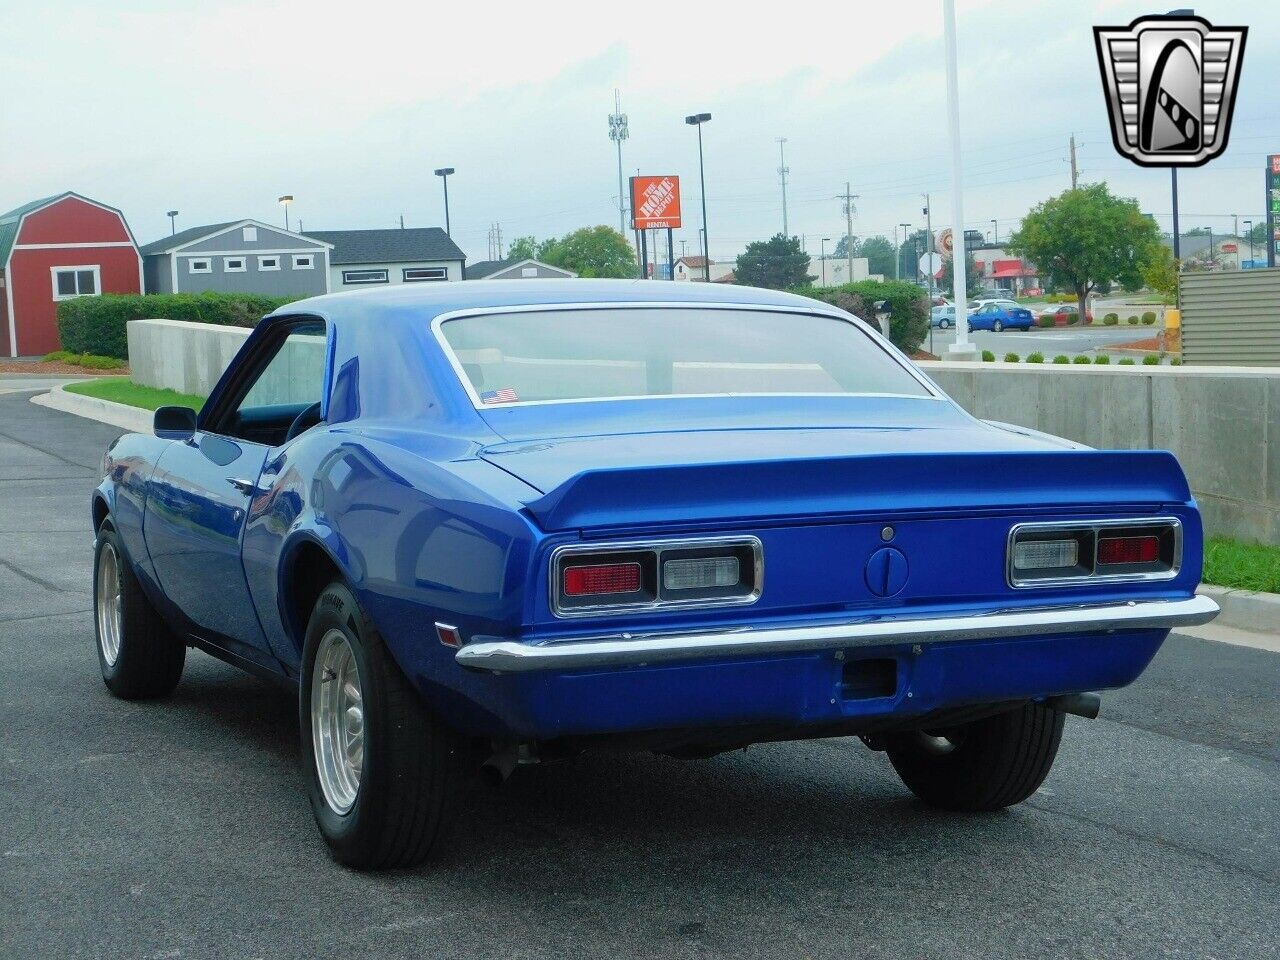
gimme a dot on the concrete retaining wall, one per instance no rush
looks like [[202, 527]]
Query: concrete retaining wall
[[181, 355], [1216, 420]]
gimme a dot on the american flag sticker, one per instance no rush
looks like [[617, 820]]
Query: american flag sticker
[[505, 395]]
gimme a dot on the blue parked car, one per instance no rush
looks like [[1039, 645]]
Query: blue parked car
[[998, 316], [479, 524], [942, 317]]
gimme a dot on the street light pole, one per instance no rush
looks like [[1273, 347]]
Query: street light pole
[[897, 253], [284, 202], [697, 120], [995, 232], [1248, 227], [443, 173], [172, 215], [824, 260], [962, 349], [783, 170]]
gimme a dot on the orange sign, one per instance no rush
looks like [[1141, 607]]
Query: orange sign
[[655, 203]]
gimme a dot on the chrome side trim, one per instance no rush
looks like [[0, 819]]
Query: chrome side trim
[[1089, 579], [657, 547], [622, 650]]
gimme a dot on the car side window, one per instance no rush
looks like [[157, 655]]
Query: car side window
[[287, 387]]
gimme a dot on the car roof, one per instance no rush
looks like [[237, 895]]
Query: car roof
[[426, 301]]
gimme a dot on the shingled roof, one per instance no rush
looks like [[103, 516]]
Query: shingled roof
[[393, 245]]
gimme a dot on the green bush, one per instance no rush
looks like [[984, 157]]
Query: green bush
[[1102, 358], [1175, 362], [1150, 360], [1082, 359], [87, 360], [1036, 357], [1073, 319], [1011, 358], [908, 307], [1149, 317], [1126, 361], [1110, 320], [96, 325], [1061, 298], [1062, 358], [1133, 321], [988, 356], [1044, 321]]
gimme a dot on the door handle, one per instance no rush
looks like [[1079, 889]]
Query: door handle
[[247, 487]]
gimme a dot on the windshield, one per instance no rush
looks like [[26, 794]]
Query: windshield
[[668, 351]]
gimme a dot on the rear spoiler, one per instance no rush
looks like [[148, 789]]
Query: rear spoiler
[[868, 484]]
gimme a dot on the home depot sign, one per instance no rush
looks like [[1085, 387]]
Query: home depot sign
[[655, 203]]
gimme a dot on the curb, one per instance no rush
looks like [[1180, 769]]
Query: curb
[[120, 415], [1246, 609]]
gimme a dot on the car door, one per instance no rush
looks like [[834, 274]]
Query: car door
[[203, 488]]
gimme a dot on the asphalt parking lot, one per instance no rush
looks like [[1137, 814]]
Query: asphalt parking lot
[[179, 829], [1051, 342]]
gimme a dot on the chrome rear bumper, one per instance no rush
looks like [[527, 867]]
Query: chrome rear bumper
[[620, 650]]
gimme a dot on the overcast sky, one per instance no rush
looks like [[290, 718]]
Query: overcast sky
[[219, 107]]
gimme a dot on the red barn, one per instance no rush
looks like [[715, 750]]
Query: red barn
[[54, 249]]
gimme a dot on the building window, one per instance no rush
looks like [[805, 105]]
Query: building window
[[364, 276], [415, 274], [71, 282], [528, 271], [233, 264], [303, 262], [250, 234], [268, 263], [199, 265]]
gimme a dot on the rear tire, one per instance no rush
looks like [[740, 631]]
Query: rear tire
[[944, 324], [384, 776], [139, 656], [997, 326], [984, 765]]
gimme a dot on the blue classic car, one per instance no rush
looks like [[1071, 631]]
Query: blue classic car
[[488, 523]]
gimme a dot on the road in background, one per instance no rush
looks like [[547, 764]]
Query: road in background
[[1050, 341], [179, 829]]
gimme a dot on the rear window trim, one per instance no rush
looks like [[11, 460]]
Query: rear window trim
[[873, 338]]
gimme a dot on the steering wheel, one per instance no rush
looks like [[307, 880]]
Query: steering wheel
[[304, 421]]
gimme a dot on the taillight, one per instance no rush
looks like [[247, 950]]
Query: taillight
[[1114, 550], [599, 579], [1053, 554]]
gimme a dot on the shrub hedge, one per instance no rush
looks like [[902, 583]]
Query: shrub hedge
[[96, 325], [988, 356], [1149, 317], [1110, 320], [1133, 321], [1062, 358], [1044, 321], [1102, 358], [1082, 359], [1011, 358], [1126, 361], [1036, 357], [908, 307], [1150, 360]]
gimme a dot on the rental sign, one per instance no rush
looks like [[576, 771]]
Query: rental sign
[[655, 203]]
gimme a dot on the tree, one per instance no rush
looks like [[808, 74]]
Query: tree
[[590, 252], [842, 247], [1084, 238], [972, 278], [523, 248], [777, 263], [910, 251], [1160, 273], [879, 253]]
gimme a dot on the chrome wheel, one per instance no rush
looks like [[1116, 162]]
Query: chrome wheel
[[337, 721], [107, 602]]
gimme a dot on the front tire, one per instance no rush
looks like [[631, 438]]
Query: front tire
[[383, 775], [138, 654], [983, 765], [944, 324]]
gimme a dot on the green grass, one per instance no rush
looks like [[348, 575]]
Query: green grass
[[124, 390], [1246, 566]]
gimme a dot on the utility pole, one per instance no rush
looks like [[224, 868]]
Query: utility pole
[[1075, 172], [928, 249], [618, 131], [783, 170], [849, 211]]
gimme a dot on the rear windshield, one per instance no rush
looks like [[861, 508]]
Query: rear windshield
[[667, 351]]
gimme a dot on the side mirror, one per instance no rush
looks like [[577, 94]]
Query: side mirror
[[175, 423]]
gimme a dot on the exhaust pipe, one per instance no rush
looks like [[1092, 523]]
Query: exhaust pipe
[[495, 771], [1085, 705]]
